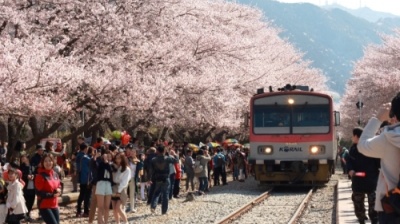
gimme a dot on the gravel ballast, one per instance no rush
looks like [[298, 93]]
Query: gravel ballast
[[222, 200]]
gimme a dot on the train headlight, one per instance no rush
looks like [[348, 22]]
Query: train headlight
[[266, 150], [317, 149]]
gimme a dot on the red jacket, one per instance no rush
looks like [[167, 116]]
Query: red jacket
[[46, 184], [178, 171]]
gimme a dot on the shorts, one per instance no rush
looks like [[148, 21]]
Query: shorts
[[103, 188], [123, 196]]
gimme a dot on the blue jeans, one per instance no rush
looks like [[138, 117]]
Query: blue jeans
[[161, 188], [50, 215], [235, 171], [203, 183], [171, 185]]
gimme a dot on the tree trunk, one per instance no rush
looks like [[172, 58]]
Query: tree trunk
[[36, 138], [80, 130], [164, 132], [3, 130]]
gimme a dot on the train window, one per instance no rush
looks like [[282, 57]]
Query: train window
[[311, 119], [297, 119], [271, 119]]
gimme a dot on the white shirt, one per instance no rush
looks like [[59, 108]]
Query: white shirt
[[122, 178]]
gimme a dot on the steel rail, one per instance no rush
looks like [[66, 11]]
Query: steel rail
[[302, 206], [245, 208]]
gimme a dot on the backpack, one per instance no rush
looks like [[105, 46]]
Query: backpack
[[220, 161], [198, 168]]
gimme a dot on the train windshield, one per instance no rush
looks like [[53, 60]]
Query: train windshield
[[302, 117]]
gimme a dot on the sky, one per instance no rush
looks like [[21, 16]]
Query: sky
[[391, 6]]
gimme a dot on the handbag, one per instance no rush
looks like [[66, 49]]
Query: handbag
[[391, 200], [14, 217]]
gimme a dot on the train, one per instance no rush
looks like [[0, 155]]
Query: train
[[293, 137]]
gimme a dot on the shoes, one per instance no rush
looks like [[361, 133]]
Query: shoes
[[177, 196], [206, 190], [78, 215], [225, 184], [133, 210], [75, 191], [85, 215], [153, 210]]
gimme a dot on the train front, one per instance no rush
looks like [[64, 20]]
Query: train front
[[292, 137]]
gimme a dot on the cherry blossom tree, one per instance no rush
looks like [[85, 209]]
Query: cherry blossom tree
[[377, 76], [157, 62]]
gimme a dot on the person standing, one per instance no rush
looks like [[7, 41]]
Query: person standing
[[132, 163], [219, 167], [121, 177], [48, 189], [385, 147], [74, 173], [363, 172], [172, 173], [150, 154], [15, 199], [203, 157], [140, 175], [159, 178], [37, 158], [189, 165], [178, 176], [82, 164], [95, 159], [343, 157], [103, 189], [241, 164], [29, 188]]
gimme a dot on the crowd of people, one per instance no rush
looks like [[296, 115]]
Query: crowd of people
[[373, 165], [109, 175]]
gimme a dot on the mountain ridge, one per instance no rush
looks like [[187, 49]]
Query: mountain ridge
[[332, 39]]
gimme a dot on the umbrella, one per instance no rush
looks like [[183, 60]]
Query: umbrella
[[213, 144], [230, 141], [193, 147]]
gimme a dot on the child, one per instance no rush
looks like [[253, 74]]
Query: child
[[15, 199]]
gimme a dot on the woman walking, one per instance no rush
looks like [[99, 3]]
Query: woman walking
[[48, 189], [103, 189], [121, 178]]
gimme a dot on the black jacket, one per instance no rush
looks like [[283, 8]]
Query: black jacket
[[363, 164], [159, 167], [26, 170]]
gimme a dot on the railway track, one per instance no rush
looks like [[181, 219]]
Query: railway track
[[263, 200]]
